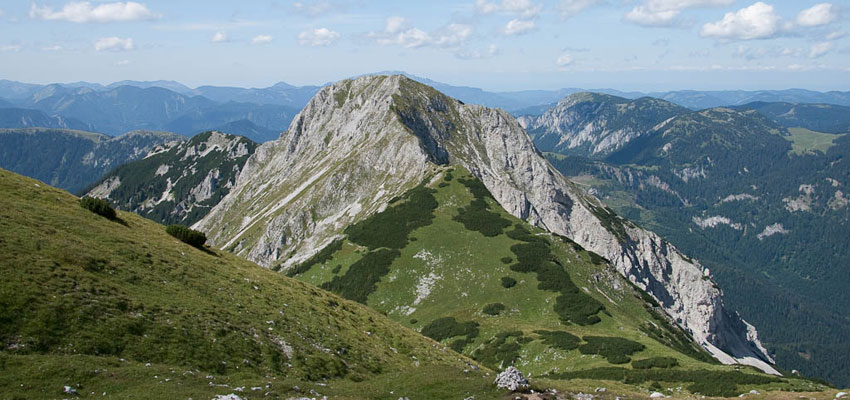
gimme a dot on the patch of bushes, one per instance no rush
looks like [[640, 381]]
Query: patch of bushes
[[498, 352], [186, 235], [508, 282], [321, 257], [99, 206], [616, 350], [477, 215], [706, 382], [493, 309], [362, 277], [391, 227], [559, 339], [655, 362], [336, 269], [507, 260], [448, 327], [535, 255]]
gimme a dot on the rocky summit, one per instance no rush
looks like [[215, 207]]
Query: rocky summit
[[360, 143]]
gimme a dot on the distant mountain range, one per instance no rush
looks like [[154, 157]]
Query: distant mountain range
[[72, 160]]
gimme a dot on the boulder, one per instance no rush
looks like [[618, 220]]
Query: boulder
[[511, 379]]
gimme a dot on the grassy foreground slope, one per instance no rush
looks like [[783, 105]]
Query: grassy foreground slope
[[447, 260], [122, 308]]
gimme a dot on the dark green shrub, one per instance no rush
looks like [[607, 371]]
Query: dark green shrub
[[336, 269], [320, 257], [559, 339], [498, 351], [493, 309], [98, 206], [391, 227], [507, 260], [362, 277], [655, 362], [477, 215], [186, 235], [508, 282], [616, 350], [535, 255], [447, 327]]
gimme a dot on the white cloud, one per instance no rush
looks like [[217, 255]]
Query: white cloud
[[398, 32], [643, 16], [313, 9], [262, 39], [122, 63], [114, 44], [81, 12], [664, 12], [409, 38], [12, 48], [395, 24], [835, 35], [820, 49], [568, 8], [758, 21], [55, 47], [564, 60], [519, 26], [453, 35], [317, 37], [755, 53], [220, 37], [523, 8], [819, 14]]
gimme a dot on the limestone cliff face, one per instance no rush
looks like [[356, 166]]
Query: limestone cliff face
[[361, 142], [594, 124]]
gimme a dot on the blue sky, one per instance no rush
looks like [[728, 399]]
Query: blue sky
[[494, 44]]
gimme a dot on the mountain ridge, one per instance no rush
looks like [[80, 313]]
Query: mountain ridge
[[352, 116]]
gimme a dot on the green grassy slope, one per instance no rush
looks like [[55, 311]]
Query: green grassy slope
[[446, 260], [89, 302]]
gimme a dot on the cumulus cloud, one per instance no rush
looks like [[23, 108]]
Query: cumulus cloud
[[522, 8], [82, 12], [398, 31], [568, 8], [820, 49], [518, 27], [220, 37], [664, 12], [317, 37], [114, 43], [819, 14], [835, 35], [55, 47], [262, 39], [758, 21], [11, 48]]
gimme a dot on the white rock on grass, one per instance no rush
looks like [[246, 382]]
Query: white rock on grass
[[656, 395], [511, 379], [231, 396]]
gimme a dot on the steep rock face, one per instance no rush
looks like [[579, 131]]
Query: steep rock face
[[178, 182], [596, 124], [359, 143]]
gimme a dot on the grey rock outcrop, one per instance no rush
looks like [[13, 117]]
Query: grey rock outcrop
[[361, 142], [595, 124], [511, 379]]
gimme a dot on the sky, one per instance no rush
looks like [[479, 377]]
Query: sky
[[500, 45]]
